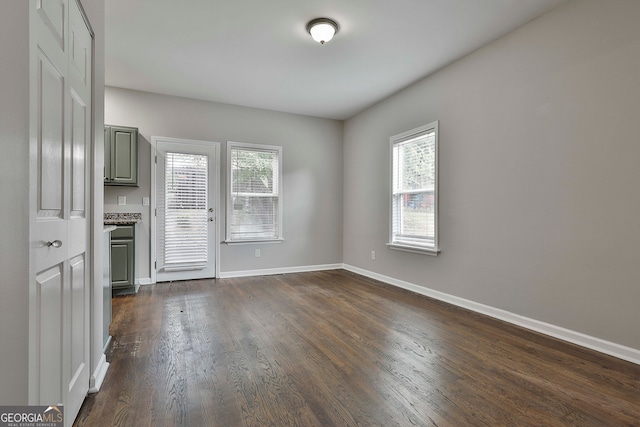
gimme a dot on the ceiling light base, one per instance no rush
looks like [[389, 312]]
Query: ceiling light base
[[322, 29]]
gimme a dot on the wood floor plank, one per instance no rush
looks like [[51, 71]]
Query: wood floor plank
[[334, 348]]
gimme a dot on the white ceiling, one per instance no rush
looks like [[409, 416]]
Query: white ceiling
[[257, 53]]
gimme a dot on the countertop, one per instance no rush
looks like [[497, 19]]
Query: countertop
[[122, 218]]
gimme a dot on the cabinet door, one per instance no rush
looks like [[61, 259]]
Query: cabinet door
[[107, 154], [124, 155], [122, 253]]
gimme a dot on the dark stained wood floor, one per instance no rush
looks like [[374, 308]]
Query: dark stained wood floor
[[337, 349]]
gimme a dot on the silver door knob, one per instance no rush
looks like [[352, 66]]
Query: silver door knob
[[55, 243]]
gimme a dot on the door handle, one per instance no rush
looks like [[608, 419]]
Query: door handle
[[55, 243], [210, 219]]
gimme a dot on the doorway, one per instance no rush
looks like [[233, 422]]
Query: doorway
[[184, 220]]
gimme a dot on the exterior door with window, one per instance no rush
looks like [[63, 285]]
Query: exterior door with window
[[186, 185]]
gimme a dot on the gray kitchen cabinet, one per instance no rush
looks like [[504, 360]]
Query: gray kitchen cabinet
[[123, 259], [120, 155]]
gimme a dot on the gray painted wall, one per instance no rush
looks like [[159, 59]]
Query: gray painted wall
[[312, 154], [14, 185], [539, 173]]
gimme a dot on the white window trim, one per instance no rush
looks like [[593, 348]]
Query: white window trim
[[252, 242], [404, 246], [415, 249], [258, 147]]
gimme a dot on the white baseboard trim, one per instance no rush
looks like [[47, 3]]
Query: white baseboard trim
[[144, 281], [607, 347], [95, 382], [284, 270]]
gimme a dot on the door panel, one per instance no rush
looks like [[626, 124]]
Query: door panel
[[124, 155], [80, 50], [51, 85], [122, 269], [48, 295], [122, 149], [52, 14], [79, 338], [78, 293], [78, 155]]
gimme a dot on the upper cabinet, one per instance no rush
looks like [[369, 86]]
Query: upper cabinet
[[120, 155]]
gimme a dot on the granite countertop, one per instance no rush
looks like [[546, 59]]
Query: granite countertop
[[122, 218]]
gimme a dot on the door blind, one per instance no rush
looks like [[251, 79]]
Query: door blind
[[186, 215]]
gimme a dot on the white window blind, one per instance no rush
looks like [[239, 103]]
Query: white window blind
[[414, 189], [185, 230], [254, 205]]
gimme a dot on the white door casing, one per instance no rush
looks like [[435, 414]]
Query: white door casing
[[61, 129], [163, 150]]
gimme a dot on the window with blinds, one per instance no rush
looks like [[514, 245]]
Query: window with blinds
[[414, 198], [186, 204], [254, 203]]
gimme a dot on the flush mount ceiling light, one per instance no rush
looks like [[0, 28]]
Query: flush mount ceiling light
[[322, 29]]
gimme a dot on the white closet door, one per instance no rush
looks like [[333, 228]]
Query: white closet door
[[61, 56]]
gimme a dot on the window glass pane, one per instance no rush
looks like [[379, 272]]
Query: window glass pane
[[416, 162], [254, 172], [254, 217], [254, 202], [185, 231], [417, 216]]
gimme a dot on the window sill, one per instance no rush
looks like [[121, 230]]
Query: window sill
[[252, 242], [414, 249]]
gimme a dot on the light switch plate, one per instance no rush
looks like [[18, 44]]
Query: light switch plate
[[122, 200], [145, 201]]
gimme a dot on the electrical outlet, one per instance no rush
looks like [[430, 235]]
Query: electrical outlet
[[122, 200], [373, 254], [257, 253]]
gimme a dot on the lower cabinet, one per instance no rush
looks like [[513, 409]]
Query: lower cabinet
[[123, 259]]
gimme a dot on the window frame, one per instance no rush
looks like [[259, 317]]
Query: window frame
[[231, 145], [414, 244]]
